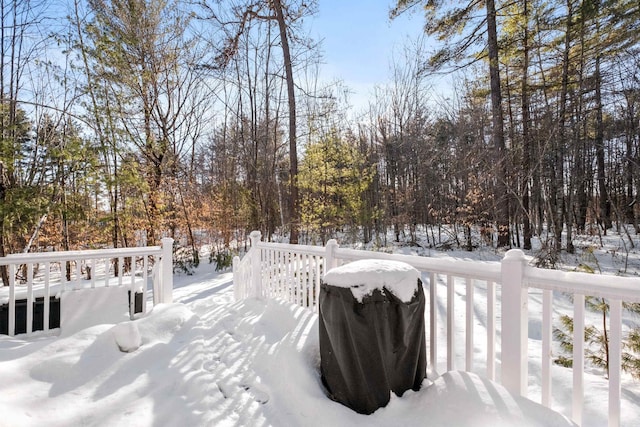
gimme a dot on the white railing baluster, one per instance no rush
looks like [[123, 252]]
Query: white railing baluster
[[47, 295], [290, 281], [78, 283], [264, 273], [316, 296], [12, 299], [93, 273], [292, 277], [451, 332], [120, 270], [237, 280], [469, 326], [303, 279], [615, 358], [284, 271], [307, 280], [261, 274], [547, 334], [145, 284], [30, 299], [132, 287], [298, 276], [278, 272], [298, 269], [273, 274], [281, 275], [310, 281], [578, 358], [491, 330], [63, 275], [433, 321], [107, 262]]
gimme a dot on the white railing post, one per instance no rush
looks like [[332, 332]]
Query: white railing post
[[237, 280], [156, 280], [256, 260], [12, 299], [166, 271], [514, 323], [330, 257]]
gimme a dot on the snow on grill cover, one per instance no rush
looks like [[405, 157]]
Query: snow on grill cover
[[372, 333]]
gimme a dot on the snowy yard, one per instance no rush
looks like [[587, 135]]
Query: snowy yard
[[209, 361]]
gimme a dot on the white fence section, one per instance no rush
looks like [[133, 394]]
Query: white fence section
[[293, 273], [44, 275]]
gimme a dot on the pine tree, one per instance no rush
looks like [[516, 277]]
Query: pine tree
[[333, 179]]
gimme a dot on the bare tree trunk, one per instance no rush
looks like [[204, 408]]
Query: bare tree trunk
[[293, 147], [35, 233], [501, 192], [556, 198], [631, 135], [526, 134], [605, 203]]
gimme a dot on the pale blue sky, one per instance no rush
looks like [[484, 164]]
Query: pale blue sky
[[358, 40]]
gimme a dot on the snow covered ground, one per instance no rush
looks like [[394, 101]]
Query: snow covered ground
[[209, 361]]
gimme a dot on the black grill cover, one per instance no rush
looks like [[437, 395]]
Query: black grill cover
[[370, 348]]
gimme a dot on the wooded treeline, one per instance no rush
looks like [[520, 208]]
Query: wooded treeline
[[123, 121]]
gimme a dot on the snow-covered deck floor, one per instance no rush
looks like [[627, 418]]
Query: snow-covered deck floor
[[209, 361]]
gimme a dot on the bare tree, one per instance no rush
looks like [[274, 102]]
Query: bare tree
[[285, 15]]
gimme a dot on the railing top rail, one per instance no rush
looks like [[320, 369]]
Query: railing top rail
[[597, 285], [483, 270], [80, 255], [298, 249]]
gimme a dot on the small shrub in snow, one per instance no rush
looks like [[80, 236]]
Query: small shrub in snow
[[185, 260], [631, 358], [597, 341], [222, 258]]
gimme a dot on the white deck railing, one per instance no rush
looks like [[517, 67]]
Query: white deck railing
[[45, 276], [293, 272]]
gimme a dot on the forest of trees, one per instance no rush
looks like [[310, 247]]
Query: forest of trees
[[127, 120]]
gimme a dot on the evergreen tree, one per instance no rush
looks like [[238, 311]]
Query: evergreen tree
[[141, 55], [333, 179]]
